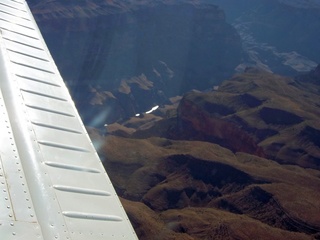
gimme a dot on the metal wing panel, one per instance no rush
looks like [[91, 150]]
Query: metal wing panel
[[16, 200], [16, 47], [21, 39], [72, 195], [20, 230]]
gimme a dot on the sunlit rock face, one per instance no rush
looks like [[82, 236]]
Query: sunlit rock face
[[200, 117], [177, 45], [279, 114], [256, 112], [231, 163]]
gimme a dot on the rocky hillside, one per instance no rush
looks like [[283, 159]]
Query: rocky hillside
[[239, 162], [256, 112]]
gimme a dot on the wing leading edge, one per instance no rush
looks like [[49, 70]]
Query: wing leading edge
[[52, 182]]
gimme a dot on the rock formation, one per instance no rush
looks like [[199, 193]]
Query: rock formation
[[239, 162], [255, 112]]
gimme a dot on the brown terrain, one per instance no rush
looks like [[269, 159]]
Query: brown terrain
[[238, 162]]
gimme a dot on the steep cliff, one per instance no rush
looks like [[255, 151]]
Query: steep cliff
[[177, 45]]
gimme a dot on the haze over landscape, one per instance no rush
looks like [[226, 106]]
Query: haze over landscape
[[231, 149]]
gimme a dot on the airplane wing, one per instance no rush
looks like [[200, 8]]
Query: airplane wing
[[52, 182]]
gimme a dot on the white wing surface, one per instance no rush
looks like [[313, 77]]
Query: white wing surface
[[52, 182]]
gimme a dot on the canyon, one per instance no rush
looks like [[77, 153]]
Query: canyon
[[205, 113]]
